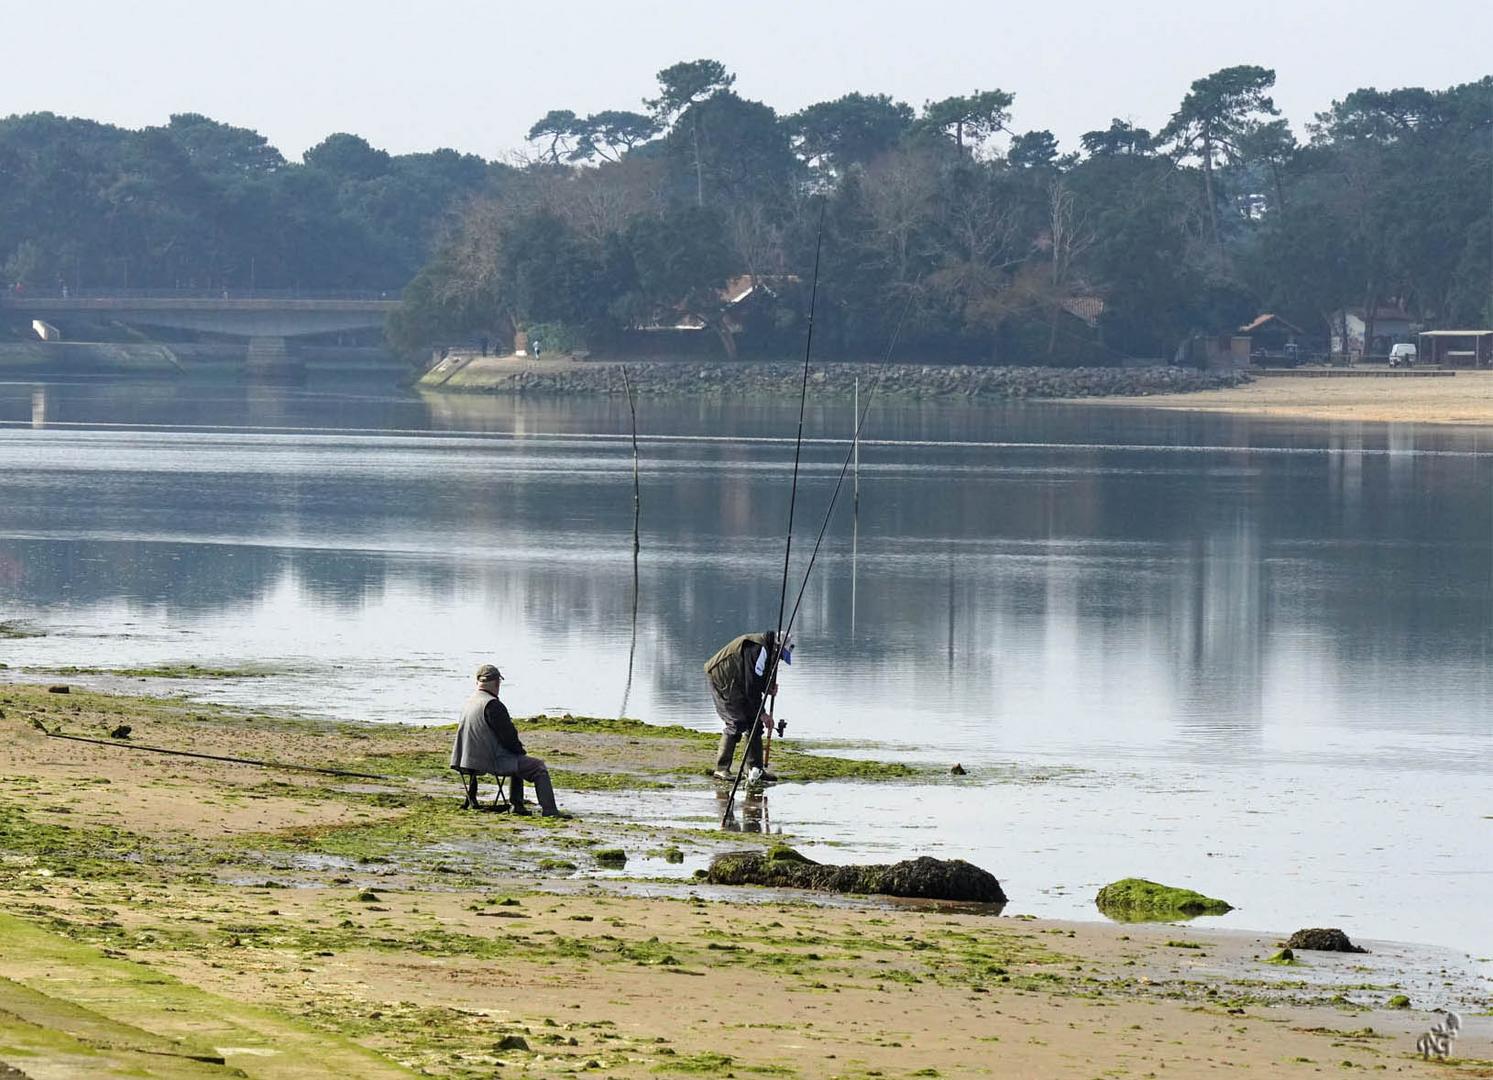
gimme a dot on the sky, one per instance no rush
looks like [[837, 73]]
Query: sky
[[474, 76]]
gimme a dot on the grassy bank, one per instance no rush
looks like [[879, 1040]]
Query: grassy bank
[[181, 917]]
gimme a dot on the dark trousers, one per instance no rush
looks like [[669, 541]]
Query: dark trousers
[[534, 771], [528, 768], [752, 753]]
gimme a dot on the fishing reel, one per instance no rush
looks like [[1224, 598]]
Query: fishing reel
[[782, 726]]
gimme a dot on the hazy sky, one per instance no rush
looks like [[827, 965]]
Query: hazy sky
[[419, 74]]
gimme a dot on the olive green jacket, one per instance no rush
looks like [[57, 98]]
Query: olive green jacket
[[734, 682]]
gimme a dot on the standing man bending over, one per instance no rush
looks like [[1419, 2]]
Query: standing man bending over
[[739, 675], [487, 742]]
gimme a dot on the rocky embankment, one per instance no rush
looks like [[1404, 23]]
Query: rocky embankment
[[762, 379]]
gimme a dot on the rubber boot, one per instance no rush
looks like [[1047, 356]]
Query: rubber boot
[[725, 753]]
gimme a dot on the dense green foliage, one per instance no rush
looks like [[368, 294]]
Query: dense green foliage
[[201, 205], [942, 225], [980, 242]]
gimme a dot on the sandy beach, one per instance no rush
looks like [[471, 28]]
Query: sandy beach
[[188, 917], [1465, 398]]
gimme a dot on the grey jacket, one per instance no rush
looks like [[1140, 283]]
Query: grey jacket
[[479, 745]]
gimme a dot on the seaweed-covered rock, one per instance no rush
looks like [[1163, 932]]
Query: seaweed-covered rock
[[1136, 899], [925, 878], [1323, 940]]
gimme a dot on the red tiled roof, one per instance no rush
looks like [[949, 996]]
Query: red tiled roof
[[1267, 317]]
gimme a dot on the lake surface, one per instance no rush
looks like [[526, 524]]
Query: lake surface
[[1244, 656]]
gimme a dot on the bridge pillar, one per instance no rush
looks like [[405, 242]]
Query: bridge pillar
[[269, 358]]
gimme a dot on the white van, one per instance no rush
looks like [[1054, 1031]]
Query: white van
[[1402, 355]]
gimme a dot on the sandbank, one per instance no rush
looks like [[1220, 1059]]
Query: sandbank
[[1465, 398], [180, 917]]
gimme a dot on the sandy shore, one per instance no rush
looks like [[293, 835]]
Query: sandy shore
[[1465, 398], [180, 917]]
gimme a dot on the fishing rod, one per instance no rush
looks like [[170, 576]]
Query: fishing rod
[[865, 411], [798, 445], [840, 480], [803, 397], [218, 757]]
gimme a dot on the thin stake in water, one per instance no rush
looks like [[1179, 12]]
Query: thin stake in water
[[637, 510]]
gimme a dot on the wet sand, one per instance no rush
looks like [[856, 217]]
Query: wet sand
[[295, 924], [1465, 398]]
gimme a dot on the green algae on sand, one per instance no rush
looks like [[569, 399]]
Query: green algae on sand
[[1139, 900], [783, 867]]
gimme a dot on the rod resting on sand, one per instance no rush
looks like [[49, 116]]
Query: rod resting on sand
[[217, 757]]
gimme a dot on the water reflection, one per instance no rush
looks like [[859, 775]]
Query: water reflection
[[754, 816], [1196, 604]]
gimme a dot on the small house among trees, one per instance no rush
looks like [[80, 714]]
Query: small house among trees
[[1364, 332], [1272, 337]]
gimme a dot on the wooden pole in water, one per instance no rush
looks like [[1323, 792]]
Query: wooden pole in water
[[637, 509], [855, 436], [855, 505], [637, 496]]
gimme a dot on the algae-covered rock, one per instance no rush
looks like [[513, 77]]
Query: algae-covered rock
[[1136, 900], [925, 878], [1323, 940]]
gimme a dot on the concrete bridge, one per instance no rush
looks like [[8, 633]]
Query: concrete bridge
[[265, 319]]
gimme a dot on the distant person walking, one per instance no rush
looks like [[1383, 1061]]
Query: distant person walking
[[739, 675], [487, 742]]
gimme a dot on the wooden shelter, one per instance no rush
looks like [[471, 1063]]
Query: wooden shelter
[[1457, 348]]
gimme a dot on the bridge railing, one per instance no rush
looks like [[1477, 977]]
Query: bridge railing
[[66, 293]]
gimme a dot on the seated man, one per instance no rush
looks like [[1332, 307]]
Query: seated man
[[487, 742]]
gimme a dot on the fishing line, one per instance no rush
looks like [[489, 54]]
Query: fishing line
[[818, 541], [844, 468], [217, 757], [803, 396]]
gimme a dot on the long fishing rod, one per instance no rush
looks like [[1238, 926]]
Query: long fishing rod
[[803, 397], [844, 468], [818, 543], [798, 445], [218, 757]]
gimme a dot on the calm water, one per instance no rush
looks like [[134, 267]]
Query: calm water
[[1248, 657]]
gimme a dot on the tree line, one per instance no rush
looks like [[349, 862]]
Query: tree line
[[947, 228], [198, 204], [941, 226]]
